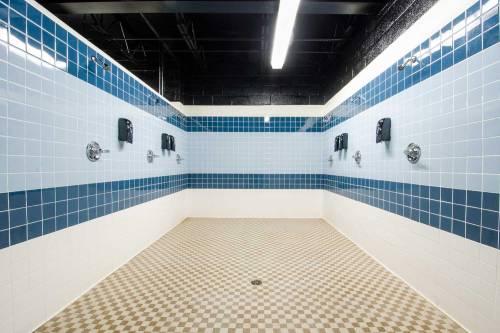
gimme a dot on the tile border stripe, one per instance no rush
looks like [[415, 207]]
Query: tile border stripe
[[29, 214]]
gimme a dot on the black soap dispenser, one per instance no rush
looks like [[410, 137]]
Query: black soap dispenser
[[344, 140], [165, 141], [125, 130], [383, 132], [172, 143], [337, 143]]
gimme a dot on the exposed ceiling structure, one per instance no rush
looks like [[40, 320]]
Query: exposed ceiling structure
[[218, 52]]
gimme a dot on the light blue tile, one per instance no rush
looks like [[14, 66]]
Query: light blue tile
[[474, 182], [33, 180], [491, 73], [491, 128], [474, 97], [3, 128], [490, 183], [474, 131], [475, 113], [16, 182], [16, 164], [16, 75], [15, 128], [3, 71], [15, 146], [491, 164], [491, 146], [474, 165], [491, 110], [491, 91]]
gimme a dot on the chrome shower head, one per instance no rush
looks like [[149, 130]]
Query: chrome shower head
[[411, 60], [101, 63], [357, 99]]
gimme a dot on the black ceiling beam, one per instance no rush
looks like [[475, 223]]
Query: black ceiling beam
[[210, 7], [217, 39]]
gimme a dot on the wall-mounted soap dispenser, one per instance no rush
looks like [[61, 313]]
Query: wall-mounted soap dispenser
[[383, 132], [341, 142], [172, 142], [337, 143], [344, 140], [165, 141], [125, 130]]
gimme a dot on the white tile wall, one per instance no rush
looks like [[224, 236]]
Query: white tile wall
[[249, 203]]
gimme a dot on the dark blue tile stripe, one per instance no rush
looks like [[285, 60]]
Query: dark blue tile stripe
[[255, 181], [29, 214], [255, 124], [470, 214]]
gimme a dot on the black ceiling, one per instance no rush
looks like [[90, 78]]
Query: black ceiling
[[218, 52]]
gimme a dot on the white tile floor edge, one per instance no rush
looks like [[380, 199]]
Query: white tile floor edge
[[438, 265], [45, 275]]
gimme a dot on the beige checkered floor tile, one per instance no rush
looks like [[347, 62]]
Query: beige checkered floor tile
[[197, 278]]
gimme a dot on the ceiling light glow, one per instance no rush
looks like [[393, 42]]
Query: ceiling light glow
[[287, 13]]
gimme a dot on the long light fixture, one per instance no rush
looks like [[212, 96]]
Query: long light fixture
[[283, 32]]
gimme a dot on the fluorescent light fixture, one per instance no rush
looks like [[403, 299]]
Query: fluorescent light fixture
[[283, 32]]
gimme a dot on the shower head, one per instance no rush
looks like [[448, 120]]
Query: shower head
[[411, 60], [101, 63], [357, 99]]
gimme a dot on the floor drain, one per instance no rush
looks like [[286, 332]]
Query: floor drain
[[256, 282]]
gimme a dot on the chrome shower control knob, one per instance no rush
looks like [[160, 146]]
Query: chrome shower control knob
[[413, 153], [357, 157], [94, 151], [150, 156]]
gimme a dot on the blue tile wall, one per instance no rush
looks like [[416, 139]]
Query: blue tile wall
[[469, 33], [33, 32], [466, 213], [470, 214], [29, 214]]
